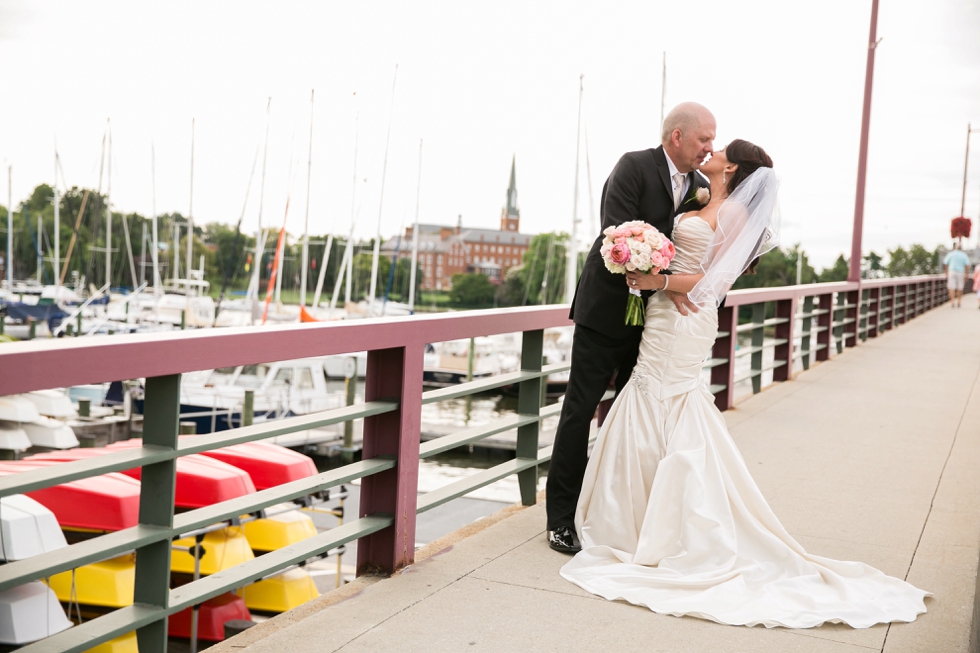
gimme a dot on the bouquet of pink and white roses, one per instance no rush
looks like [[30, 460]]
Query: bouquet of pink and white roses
[[635, 246]]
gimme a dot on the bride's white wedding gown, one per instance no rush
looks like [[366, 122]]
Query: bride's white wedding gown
[[669, 516]]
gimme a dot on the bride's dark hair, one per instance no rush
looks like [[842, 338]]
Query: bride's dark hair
[[749, 157]]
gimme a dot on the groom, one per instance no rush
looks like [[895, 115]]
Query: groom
[[654, 186]]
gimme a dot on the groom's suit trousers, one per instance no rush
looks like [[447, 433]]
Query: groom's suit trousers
[[595, 358]]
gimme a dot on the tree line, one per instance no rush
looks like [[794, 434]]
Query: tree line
[[223, 252]]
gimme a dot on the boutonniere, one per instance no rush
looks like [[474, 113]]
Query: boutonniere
[[702, 195]]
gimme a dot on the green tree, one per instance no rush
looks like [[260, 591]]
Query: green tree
[[471, 290], [541, 277], [913, 261], [872, 267], [838, 272], [362, 275], [778, 268]]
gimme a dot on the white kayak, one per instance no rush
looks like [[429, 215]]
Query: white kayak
[[52, 403], [30, 612], [27, 529], [13, 437], [50, 433]]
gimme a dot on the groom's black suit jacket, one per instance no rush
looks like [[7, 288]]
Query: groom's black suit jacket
[[638, 188]]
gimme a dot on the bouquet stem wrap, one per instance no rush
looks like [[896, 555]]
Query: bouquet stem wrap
[[635, 308]]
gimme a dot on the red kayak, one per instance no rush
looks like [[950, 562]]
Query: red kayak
[[211, 618], [201, 481], [110, 502], [268, 464]]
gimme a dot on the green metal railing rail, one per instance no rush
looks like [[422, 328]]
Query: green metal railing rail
[[808, 323]]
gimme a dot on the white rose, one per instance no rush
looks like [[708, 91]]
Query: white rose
[[703, 195], [641, 261], [643, 248], [615, 269]]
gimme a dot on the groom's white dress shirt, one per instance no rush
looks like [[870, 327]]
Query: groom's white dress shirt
[[679, 181]]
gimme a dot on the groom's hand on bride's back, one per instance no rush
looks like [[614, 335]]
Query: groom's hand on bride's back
[[683, 304]]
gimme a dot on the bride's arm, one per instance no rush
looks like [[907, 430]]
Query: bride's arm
[[680, 283]]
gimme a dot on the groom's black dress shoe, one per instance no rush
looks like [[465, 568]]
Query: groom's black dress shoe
[[564, 539]]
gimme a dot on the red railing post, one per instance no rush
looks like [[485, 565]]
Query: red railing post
[[785, 308], [853, 313], [724, 347], [392, 374], [892, 291], [824, 322], [903, 310], [874, 317]]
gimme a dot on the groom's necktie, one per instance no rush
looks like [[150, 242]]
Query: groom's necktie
[[678, 188]]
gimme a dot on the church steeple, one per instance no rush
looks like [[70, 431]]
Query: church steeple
[[510, 217]]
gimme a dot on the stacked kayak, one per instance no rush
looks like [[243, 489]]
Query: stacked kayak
[[29, 612], [211, 618], [201, 481], [23, 425], [111, 503]]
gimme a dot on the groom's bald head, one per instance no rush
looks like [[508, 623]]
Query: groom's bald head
[[688, 135]]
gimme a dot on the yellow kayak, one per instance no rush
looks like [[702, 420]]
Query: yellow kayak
[[106, 584], [280, 593]]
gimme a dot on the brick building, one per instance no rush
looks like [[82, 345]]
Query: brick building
[[445, 251]]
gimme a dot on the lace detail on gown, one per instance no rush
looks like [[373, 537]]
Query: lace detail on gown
[[671, 519]]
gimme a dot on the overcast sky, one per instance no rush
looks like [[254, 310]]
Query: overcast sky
[[481, 82]]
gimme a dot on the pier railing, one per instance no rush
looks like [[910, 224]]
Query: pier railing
[[832, 316]]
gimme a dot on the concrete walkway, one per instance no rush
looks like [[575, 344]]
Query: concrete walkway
[[873, 456]]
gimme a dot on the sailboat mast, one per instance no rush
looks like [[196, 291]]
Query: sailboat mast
[[341, 271], [306, 220], [40, 256], [415, 238], [571, 269], [157, 282], [190, 218], [108, 212], [143, 255], [663, 92], [350, 268], [384, 170], [10, 227], [57, 222], [253, 286]]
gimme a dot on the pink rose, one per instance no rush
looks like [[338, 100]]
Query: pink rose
[[623, 232], [667, 249], [619, 254], [637, 230], [621, 240], [638, 237], [657, 260]]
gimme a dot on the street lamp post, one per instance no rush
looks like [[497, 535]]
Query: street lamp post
[[966, 163], [854, 272]]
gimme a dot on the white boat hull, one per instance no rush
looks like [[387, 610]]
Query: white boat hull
[[27, 529], [50, 433], [13, 438], [30, 612], [52, 403]]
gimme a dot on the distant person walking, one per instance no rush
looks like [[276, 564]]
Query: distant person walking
[[957, 264], [976, 282]]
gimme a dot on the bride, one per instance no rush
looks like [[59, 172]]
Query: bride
[[669, 517]]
